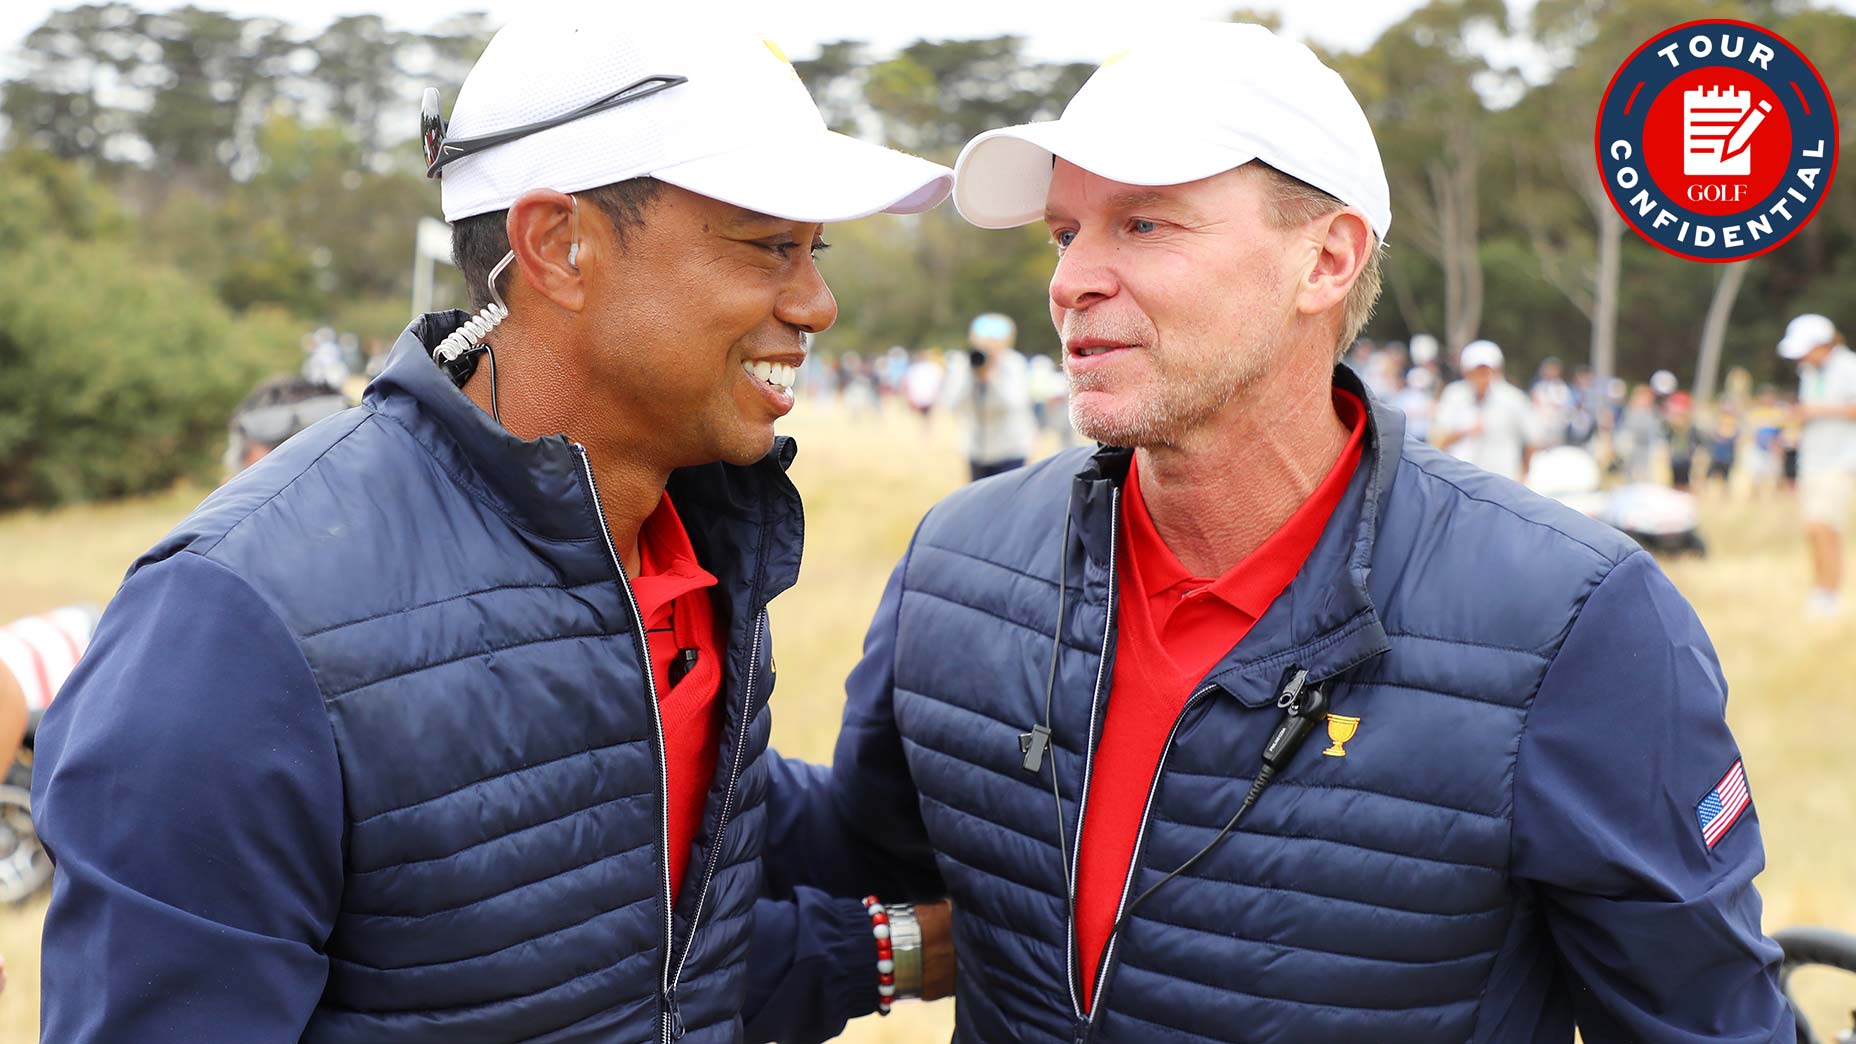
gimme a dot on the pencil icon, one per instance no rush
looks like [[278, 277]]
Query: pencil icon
[[1743, 133]]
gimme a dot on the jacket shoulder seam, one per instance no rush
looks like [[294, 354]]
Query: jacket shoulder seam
[[956, 603], [1493, 646], [1467, 495], [207, 550], [470, 654], [398, 610], [986, 561], [1528, 705], [296, 646]]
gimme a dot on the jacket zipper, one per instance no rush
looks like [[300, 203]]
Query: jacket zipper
[[1108, 630], [665, 1016], [728, 803], [1134, 861]]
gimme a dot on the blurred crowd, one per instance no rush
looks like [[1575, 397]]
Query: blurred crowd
[[1475, 406], [1633, 456], [1003, 400], [1652, 432]]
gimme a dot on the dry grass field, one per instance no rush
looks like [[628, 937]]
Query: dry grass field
[[866, 485]]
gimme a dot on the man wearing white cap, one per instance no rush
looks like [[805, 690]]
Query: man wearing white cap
[[1263, 722], [989, 389], [1484, 419], [1826, 448], [447, 720]]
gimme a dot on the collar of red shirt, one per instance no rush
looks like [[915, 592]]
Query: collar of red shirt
[[1252, 584], [667, 561]]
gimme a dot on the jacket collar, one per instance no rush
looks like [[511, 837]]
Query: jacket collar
[[1325, 621], [745, 522]]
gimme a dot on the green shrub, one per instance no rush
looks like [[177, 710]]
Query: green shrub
[[379, 320], [116, 376]]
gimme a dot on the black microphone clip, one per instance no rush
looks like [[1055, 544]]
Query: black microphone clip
[[1032, 745], [1304, 706]]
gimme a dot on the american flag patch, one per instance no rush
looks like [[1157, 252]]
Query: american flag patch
[[1721, 809]]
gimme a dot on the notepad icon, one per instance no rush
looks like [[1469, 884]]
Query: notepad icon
[[1717, 131]]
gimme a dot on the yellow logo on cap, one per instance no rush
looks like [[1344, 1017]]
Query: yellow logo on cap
[[774, 48]]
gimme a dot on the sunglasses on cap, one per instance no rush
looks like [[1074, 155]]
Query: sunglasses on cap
[[440, 150]]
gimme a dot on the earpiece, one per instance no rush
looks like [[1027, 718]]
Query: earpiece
[[466, 339], [457, 354], [573, 249]]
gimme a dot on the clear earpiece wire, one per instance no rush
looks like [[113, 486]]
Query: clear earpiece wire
[[474, 330], [469, 337]]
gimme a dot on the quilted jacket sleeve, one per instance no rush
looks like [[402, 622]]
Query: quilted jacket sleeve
[[855, 828], [813, 968], [186, 785], [833, 835], [1646, 884]]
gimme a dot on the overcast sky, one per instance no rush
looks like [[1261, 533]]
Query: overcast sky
[[1060, 30], [1085, 30]]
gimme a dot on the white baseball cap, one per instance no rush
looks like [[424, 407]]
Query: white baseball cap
[[1423, 349], [1185, 103], [1805, 333], [1480, 353], [738, 126]]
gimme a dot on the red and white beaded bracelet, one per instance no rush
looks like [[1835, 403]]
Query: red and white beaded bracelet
[[885, 955]]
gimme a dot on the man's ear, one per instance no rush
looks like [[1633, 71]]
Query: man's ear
[[1343, 245], [544, 232]]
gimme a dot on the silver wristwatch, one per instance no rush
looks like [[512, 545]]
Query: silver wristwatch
[[905, 942]]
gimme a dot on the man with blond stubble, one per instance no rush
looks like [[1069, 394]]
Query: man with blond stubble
[[1262, 722]]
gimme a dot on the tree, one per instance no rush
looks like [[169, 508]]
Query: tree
[[936, 95], [211, 82], [1418, 84], [1590, 39], [69, 65], [120, 375], [42, 195], [1714, 329], [1575, 234], [835, 81], [927, 276], [358, 67], [1271, 20]]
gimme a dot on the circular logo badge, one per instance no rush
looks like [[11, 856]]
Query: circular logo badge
[[1717, 140]]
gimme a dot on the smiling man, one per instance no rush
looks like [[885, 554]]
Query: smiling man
[[1263, 722], [446, 721]]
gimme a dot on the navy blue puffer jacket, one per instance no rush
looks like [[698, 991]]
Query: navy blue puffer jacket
[[365, 751], [1512, 841]]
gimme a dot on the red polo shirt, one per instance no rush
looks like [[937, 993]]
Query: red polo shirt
[[673, 598], [1173, 629]]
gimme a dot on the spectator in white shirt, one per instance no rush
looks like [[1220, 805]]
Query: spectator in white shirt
[[1418, 400], [988, 388], [1826, 448], [1482, 418]]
